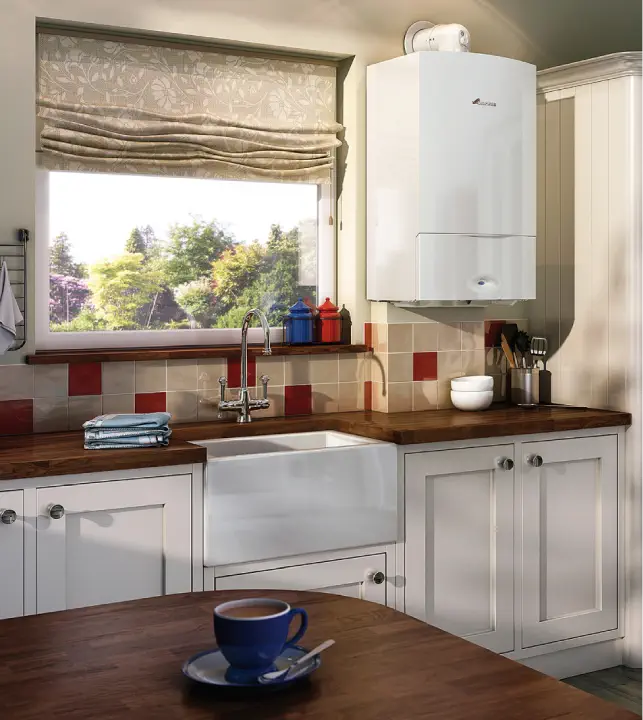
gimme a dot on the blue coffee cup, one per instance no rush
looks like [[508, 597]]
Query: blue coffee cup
[[252, 633]]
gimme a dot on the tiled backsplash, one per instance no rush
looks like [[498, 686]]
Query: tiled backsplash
[[48, 398]]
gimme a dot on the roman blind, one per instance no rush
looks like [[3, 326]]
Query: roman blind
[[131, 108]]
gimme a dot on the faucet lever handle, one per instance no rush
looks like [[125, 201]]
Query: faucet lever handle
[[264, 381], [223, 381]]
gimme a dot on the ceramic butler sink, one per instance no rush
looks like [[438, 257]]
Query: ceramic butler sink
[[281, 495]]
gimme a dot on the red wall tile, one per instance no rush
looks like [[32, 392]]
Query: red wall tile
[[425, 366], [368, 395], [149, 402], [85, 379], [234, 372], [492, 332], [368, 334], [299, 399], [16, 417]]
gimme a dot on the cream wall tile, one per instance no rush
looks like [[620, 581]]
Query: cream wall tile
[[380, 397], [449, 336], [182, 375], [325, 397], [473, 362], [473, 335], [151, 376], [425, 395], [380, 337], [182, 405], [449, 365], [83, 408], [351, 396], [209, 372], [274, 367], [50, 414], [400, 337], [297, 370], [400, 397], [354, 367], [324, 369], [425, 337], [16, 382], [444, 395], [276, 397], [118, 378], [51, 381], [122, 403], [400, 367], [207, 405], [495, 362]]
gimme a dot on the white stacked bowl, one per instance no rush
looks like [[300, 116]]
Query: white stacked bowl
[[472, 393]]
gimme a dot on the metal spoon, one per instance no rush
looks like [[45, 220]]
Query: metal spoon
[[271, 677]]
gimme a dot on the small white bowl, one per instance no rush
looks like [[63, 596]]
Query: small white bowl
[[472, 400], [473, 383]]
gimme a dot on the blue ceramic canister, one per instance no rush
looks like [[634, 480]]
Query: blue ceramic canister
[[298, 324]]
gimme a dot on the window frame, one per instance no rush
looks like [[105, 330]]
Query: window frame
[[116, 339]]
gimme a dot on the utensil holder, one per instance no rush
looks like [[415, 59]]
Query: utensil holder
[[525, 386]]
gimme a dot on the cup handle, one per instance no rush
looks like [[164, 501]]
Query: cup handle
[[302, 628]]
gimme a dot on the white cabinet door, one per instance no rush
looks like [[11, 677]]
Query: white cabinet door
[[359, 577], [459, 542], [11, 554], [570, 539], [116, 541]]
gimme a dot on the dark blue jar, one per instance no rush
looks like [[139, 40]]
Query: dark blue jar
[[298, 324]]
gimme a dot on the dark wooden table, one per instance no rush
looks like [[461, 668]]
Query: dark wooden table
[[124, 661]]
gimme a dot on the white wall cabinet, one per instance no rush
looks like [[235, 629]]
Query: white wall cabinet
[[570, 539], [11, 554], [459, 542], [116, 541], [361, 577]]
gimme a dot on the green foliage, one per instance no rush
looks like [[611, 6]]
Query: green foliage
[[191, 250], [143, 241], [120, 287], [85, 321], [61, 260], [196, 299]]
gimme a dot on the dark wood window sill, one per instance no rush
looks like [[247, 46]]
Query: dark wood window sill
[[52, 357]]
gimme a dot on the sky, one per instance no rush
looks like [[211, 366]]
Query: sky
[[99, 210]]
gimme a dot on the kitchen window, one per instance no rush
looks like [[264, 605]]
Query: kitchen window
[[159, 224]]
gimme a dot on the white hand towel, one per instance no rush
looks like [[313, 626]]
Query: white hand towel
[[10, 314]]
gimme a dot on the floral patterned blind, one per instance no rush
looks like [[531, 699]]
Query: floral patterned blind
[[124, 107]]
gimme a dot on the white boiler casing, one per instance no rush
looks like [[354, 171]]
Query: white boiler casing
[[451, 179]]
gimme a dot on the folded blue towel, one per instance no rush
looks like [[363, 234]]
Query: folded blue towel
[[114, 434], [152, 421], [119, 440]]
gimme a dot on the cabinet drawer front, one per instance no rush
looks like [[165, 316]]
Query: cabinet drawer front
[[116, 541], [352, 577], [12, 555], [570, 538], [459, 543]]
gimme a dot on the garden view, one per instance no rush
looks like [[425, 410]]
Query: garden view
[[197, 276]]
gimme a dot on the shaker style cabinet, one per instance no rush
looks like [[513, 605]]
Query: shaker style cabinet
[[570, 538], [459, 542], [357, 577], [11, 554], [104, 542]]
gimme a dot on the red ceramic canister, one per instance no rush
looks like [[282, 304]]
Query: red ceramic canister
[[330, 323]]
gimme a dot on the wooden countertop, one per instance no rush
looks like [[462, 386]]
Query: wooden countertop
[[48, 454], [124, 661]]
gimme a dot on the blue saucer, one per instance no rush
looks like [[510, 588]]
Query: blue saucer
[[209, 668]]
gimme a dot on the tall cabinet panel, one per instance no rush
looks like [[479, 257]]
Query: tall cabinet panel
[[11, 554], [459, 542]]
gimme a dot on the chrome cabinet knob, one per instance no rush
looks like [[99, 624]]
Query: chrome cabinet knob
[[535, 460], [505, 463], [56, 511], [7, 517], [377, 577]]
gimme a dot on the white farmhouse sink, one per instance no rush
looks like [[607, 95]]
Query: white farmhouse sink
[[280, 495]]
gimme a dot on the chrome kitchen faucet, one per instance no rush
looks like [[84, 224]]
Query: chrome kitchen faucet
[[245, 403]]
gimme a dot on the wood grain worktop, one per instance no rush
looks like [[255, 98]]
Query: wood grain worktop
[[48, 454], [124, 661]]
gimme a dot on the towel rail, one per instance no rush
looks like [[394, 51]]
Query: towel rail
[[15, 255]]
